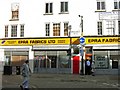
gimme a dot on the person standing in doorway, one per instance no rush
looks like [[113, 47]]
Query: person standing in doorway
[[88, 66], [25, 74]]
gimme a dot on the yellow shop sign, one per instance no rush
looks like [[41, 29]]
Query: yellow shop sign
[[21, 42], [102, 40]]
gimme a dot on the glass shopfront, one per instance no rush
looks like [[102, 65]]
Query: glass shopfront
[[105, 59], [15, 58], [51, 60]]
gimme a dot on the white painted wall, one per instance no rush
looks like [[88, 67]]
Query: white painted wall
[[31, 13]]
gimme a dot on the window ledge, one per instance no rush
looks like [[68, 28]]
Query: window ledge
[[14, 20], [64, 13], [116, 10], [100, 11], [48, 14]]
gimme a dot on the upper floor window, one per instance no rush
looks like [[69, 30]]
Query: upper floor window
[[49, 8], [118, 27], [110, 28], [65, 29], [6, 30], [21, 30], [64, 7], [15, 11], [47, 29], [13, 30], [56, 29], [100, 5], [99, 27], [116, 5]]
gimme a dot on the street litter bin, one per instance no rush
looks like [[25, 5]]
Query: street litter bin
[[7, 70], [17, 70]]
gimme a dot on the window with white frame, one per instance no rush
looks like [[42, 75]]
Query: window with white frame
[[100, 5], [47, 29], [110, 27], [6, 30], [48, 8], [118, 27], [116, 4], [22, 30], [64, 7], [15, 11], [13, 30], [99, 27], [65, 29], [56, 29]]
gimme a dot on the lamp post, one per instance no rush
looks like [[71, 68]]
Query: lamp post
[[81, 45], [69, 35]]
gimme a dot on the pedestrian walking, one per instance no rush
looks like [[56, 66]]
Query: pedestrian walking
[[25, 74]]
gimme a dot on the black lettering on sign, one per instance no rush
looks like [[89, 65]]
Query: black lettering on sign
[[99, 40], [51, 41], [118, 39], [37, 41], [22, 41]]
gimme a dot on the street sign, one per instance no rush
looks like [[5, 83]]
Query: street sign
[[82, 40]]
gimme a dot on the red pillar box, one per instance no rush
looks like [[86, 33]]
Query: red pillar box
[[76, 66]]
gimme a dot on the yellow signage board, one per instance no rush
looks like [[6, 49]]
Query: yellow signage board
[[28, 42], [102, 40], [59, 41]]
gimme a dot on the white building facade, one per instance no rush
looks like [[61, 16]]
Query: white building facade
[[43, 29]]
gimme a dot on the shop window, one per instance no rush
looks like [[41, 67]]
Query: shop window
[[101, 59], [64, 59]]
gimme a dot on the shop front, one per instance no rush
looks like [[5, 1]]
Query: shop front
[[105, 53], [107, 61], [62, 55], [52, 59]]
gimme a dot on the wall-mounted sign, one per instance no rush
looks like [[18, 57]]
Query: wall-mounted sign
[[103, 40], [109, 15], [59, 41], [101, 62], [27, 42]]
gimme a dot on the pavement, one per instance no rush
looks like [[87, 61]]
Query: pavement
[[71, 81]]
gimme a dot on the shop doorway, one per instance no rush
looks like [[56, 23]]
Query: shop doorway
[[52, 61], [115, 61]]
